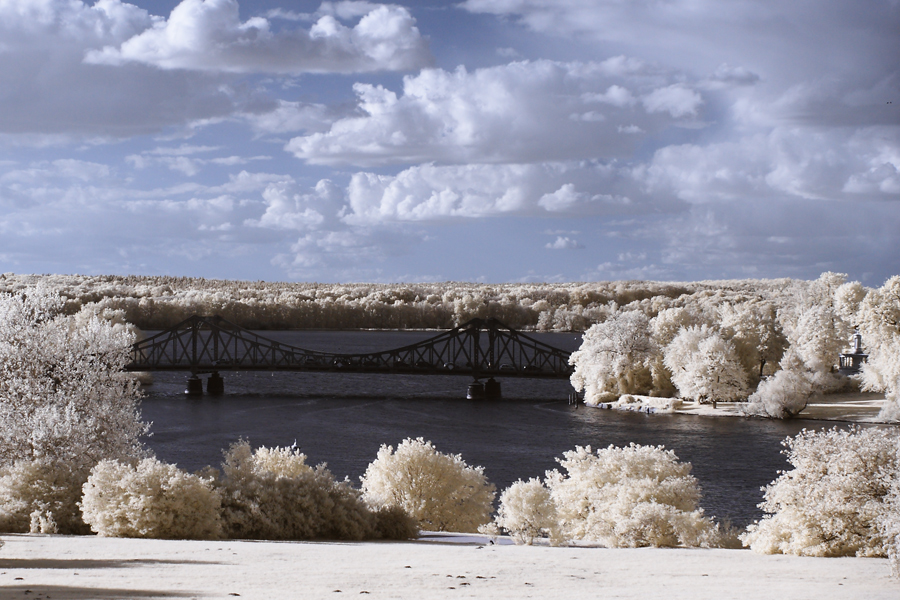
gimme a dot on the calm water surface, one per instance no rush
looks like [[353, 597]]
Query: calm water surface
[[342, 419]]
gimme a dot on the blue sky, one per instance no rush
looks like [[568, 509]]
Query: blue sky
[[488, 140]]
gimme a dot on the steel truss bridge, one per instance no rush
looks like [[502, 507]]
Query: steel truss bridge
[[480, 348]]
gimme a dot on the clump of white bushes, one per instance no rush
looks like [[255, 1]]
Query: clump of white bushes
[[439, 490], [620, 497], [41, 495], [269, 493], [274, 494], [840, 498], [150, 499]]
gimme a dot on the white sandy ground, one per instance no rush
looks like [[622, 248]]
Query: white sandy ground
[[436, 566]]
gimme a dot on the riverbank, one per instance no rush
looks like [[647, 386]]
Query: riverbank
[[435, 566], [854, 407]]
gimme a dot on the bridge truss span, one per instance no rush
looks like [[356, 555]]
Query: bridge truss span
[[477, 348]]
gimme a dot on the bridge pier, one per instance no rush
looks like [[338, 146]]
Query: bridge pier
[[215, 385], [475, 391], [194, 386]]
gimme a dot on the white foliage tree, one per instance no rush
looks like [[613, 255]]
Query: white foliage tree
[[786, 393], [439, 490], [847, 300], [832, 502], [663, 329], [150, 499], [630, 497], [819, 336], [614, 358], [879, 323], [752, 326], [705, 367], [63, 394], [64, 403], [527, 512]]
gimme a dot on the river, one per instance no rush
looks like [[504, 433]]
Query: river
[[342, 419]]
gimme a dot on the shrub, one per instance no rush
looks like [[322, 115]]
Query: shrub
[[527, 512], [439, 490], [41, 496], [889, 521], [630, 497], [394, 523], [150, 499], [273, 494], [831, 502]]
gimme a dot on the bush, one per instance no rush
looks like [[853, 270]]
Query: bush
[[439, 490], [527, 512], [831, 502], [150, 499], [630, 497], [889, 521], [273, 494], [41, 496]]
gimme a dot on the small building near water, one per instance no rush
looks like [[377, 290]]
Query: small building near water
[[853, 357]]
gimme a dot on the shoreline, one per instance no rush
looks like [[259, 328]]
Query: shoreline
[[437, 565], [847, 407]]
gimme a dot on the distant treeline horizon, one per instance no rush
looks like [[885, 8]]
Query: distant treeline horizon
[[159, 302]]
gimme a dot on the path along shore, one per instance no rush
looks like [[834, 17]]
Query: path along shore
[[852, 407]]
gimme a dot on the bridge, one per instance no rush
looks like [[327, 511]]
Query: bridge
[[480, 348]]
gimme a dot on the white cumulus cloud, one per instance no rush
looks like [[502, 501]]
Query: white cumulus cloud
[[58, 97], [287, 208], [208, 35], [433, 192], [564, 243], [678, 100], [516, 113]]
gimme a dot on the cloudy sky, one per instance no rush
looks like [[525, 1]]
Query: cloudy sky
[[484, 140]]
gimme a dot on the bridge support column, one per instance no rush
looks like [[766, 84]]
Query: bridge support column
[[194, 386], [492, 389], [215, 385], [475, 391]]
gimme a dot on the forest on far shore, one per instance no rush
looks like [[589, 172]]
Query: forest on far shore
[[158, 302]]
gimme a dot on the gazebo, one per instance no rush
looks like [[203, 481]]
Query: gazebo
[[853, 357]]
